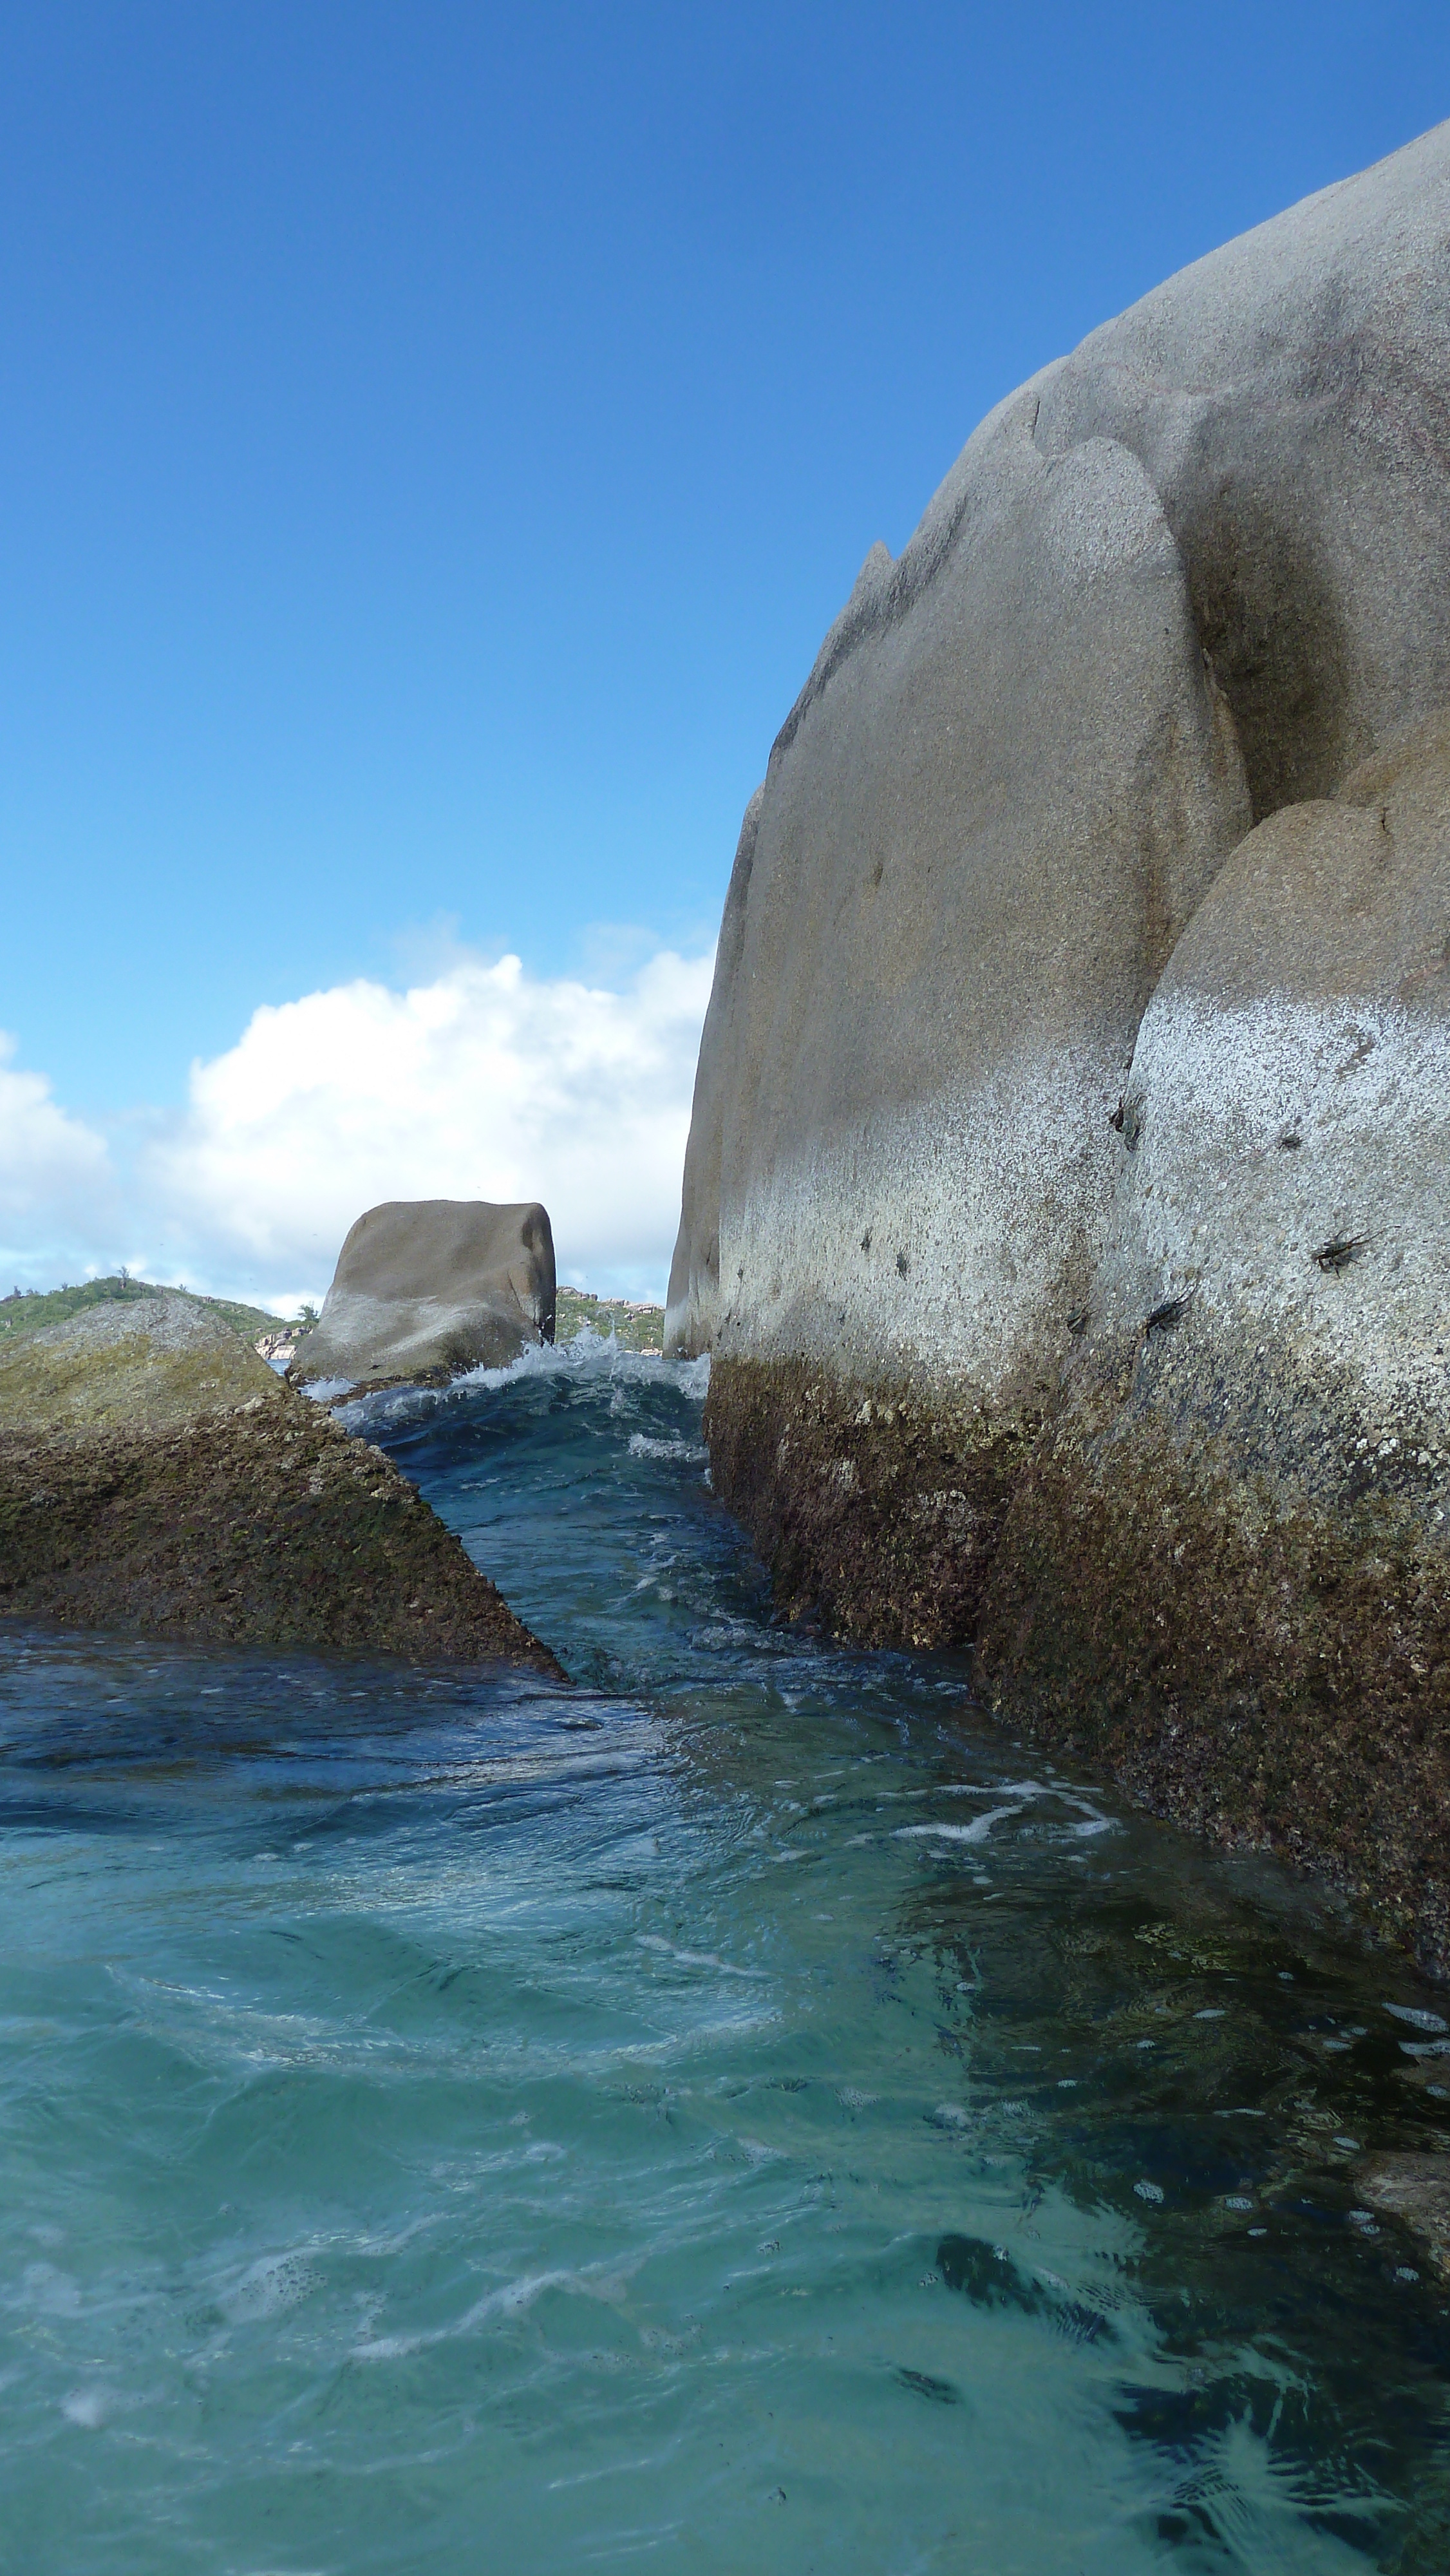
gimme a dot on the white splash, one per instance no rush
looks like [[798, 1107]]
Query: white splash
[[694, 1958]]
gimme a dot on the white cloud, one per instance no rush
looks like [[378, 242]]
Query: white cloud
[[56, 1189], [483, 1083]]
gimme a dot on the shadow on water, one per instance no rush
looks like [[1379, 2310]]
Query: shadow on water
[[1209, 2076], [740, 2110]]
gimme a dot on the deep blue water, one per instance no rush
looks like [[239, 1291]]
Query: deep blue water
[[740, 2112]]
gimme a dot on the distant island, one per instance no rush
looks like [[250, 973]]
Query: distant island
[[635, 1323], [29, 1310]]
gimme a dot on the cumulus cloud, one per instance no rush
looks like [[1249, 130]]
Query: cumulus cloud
[[485, 1082], [56, 1186]]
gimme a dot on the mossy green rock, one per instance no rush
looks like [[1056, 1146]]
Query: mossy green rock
[[155, 1475]]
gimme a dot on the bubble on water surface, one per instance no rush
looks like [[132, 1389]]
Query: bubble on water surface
[[89, 2407], [51, 2292], [267, 2288], [694, 1958]]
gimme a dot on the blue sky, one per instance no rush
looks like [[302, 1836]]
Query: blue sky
[[435, 439]]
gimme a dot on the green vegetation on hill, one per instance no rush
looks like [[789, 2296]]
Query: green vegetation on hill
[[635, 1324], [638, 1327], [29, 1310]]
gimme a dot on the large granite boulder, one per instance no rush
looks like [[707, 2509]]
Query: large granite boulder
[[1101, 858], [1225, 1565], [427, 1288], [157, 1476]]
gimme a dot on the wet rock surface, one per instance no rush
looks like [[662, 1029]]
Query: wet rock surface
[[1067, 1205], [1416, 2190], [882, 1508], [427, 1288], [156, 1476], [1227, 1564], [1248, 1662]]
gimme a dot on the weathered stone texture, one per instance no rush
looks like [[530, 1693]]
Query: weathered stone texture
[[427, 1288], [156, 1476], [1068, 1201], [880, 1507], [1416, 2190], [946, 939]]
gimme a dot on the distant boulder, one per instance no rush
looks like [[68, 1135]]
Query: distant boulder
[[426, 1288]]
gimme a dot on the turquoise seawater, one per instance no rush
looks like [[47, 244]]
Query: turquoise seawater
[[742, 2112]]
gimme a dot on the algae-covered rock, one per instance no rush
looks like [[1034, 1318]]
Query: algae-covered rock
[[1066, 1201], [1227, 1563], [427, 1288], [156, 1475], [1416, 2190]]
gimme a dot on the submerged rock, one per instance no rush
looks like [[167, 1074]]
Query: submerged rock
[[1416, 2190], [1067, 1202], [156, 1475], [426, 1288]]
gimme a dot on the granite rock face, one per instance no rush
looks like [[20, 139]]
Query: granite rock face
[[157, 1476], [426, 1288], [1226, 1562], [1066, 1202]]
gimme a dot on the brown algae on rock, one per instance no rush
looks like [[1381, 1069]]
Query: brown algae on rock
[[157, 1476], [1067, 1201]]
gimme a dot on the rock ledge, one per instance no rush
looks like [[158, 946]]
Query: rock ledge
[[155, 1475]]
